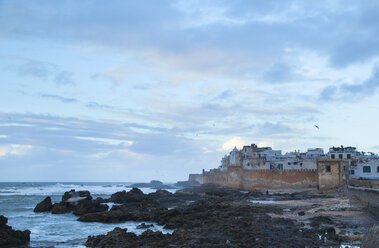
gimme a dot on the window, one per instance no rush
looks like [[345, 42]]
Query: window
[[377, 169], [344, 168], [328, 168], [295, 163], [333, 156], [289, 163], [366, 169], [340, 156], [352, 172], [301, 164], [348, 156]]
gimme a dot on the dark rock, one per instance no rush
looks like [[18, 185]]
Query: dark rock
[[89, 206], [72, 193], [301, 213], [143, 225], [62, 208], [3, 221], [319, 220], [371, 239], [10, 237], [134, 195], [44, 206], [121, 238], [207, 216], [113, 216], [331, 234], [154, 184], [100, 200], [187, 183], [78, 202]]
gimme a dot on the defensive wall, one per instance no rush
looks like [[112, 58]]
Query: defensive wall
[[237, 177], [368, 197], [196, 178], [374, 184]]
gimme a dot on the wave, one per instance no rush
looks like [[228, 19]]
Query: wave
[[60, 188]]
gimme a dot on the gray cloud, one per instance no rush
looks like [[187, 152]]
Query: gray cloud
[[46, 70], [53, 142], [224, 95], [64, 78], [347, 92], [59, 98], [98, 105], [275, 129], [279, 73], [188, 34], [37, 69]]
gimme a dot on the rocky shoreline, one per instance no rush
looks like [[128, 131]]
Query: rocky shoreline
[[12, 238], [213, 216]]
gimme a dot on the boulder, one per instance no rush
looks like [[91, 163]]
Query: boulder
[[89, 206], [72, 193], [62, 208], [44, 206], [10, 237], [134, 195], [301, 213], [121, 238], [113, 216], [143, 226]]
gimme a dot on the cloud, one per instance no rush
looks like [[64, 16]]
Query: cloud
[[114, 142], [224, 95], [221, 38], [117, 75], [346, 92], [233, 142], [98, 105], [64, 78], [270, 128], [37, 69], [15, 150], [280, 73], [96, 150], [59, 98], [46, 70]]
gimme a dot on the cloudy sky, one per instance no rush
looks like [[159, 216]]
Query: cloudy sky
[[140, 90]]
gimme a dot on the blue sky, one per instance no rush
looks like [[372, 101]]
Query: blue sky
[[140, 90]]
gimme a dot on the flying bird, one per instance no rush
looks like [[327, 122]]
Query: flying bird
[[317, 127]]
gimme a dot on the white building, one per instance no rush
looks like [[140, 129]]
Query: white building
[[361, 165]]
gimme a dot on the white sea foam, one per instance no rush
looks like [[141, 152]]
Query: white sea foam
[[60, 188]]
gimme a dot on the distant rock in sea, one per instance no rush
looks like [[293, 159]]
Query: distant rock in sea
[[187, 183], [154, 184]]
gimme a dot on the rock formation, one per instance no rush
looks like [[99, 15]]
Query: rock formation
[[44, 206], [12, 238]]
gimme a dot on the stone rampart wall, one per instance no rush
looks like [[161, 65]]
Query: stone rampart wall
[[237, 177], [365, 183], [369, 198]]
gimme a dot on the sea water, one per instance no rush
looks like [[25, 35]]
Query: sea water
[[17, 201]]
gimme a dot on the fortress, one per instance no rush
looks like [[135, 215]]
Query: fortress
[[254, 167]]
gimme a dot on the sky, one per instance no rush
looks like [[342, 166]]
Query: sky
[[138, 90]]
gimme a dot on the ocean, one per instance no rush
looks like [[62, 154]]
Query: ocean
[[17, 201]]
